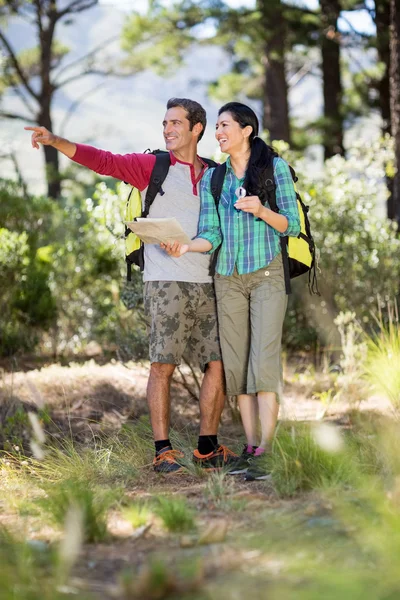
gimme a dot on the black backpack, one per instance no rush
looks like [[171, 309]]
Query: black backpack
[[158, 176], [292, 253]]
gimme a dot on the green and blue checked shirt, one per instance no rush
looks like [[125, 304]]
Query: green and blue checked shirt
[[248, 243]]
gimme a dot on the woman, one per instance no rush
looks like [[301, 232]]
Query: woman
[[249, 280]]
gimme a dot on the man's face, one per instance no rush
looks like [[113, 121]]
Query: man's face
[[176, 128]]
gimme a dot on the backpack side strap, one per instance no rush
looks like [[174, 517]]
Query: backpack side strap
[[217, 181], [158, 176], [271, 197]]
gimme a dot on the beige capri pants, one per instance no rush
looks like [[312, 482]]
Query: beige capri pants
[[251, 309]]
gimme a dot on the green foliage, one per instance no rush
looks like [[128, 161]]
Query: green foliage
[[62, 269], [356, 244], [175, 513], [14, 427], [159, 39]]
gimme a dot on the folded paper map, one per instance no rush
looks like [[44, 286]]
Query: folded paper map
[[155, 231]]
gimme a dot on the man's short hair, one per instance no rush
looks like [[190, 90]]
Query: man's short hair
[[195, 112]]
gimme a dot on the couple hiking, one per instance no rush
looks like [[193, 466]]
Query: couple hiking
[[182, 299]]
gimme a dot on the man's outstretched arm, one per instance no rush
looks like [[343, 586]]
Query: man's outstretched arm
[[41, 135], [133, 168]]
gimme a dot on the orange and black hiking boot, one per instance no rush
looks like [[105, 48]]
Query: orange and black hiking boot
[[167, 461], [217, 459]]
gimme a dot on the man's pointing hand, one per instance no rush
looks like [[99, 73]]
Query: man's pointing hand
[[41, 135]]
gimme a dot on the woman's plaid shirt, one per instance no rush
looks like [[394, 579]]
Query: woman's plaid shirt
[[248, 243]]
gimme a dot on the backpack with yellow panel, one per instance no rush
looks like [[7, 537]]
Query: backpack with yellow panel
[[298, 253]]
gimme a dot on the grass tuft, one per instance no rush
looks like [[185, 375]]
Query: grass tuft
[[94, 505], [383, 358], [175, 513], [298, 463]]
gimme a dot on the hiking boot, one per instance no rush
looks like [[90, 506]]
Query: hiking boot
[[217, 459], [241, 464], [258, 469], [167, 461]]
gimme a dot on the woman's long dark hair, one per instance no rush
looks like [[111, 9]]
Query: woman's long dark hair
[[261, 154]]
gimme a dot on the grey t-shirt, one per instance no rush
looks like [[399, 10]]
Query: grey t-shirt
[[179, 201]]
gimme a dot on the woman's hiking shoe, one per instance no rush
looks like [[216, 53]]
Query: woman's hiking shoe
[[241, 464], [167, 461], [258, 469], [217, 459]]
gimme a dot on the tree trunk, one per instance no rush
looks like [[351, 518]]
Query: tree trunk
[[332, 83], [395, 100], [46, 37], [382, 22], [276, 105]]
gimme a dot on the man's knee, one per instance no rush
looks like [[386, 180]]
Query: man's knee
[[215, 371], [162, 370], [215, 367]]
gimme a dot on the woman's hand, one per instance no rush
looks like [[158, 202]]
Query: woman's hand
[[175, 249], [250, 204]]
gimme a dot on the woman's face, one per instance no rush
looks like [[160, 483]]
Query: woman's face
[[230, 136]]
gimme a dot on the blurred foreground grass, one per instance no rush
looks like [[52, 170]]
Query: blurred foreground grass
[[92, 520], [327, 524]]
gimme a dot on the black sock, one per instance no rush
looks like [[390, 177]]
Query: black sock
[[207, 444], [160, 444]]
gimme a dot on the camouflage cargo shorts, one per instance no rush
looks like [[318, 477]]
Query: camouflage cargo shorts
[[182, 320]]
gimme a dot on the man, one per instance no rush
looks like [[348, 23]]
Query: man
[[178, 293]]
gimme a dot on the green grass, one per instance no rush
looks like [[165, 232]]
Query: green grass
[[94, 504], [219, 489], [298, 463], [138, 515], [382, 370], [28, 570], [175, 513]]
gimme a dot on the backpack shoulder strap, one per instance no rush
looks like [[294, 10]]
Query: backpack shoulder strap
[[158, 175], [211, 163], [217, 181], [270, 185]]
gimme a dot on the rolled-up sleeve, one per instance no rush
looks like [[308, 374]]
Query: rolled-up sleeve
[[286, 200], [209, 224]]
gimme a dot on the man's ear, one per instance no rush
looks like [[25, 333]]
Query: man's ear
[[197, 129]]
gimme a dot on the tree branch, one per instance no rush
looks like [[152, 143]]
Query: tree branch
[[17, 66], [364, 36], [75, 104], [76, 6], [85, 57], [24, 100], [92, 72], [8, 115]]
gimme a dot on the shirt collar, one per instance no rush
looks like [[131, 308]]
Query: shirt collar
[[175, 160]]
